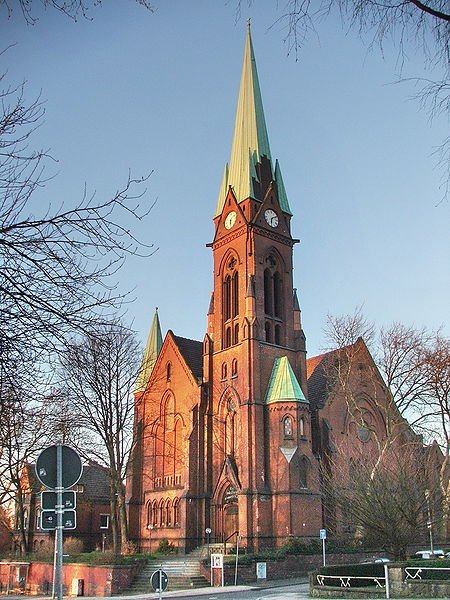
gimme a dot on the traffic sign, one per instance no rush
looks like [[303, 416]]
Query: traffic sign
[[48, 500], [159, 581], [46, 467], [323, 534], [49, 520]]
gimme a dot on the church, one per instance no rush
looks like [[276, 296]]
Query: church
[[227, 435]]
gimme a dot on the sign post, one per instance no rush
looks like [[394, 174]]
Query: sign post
[[323, 537], [58, 467], [159, 581]]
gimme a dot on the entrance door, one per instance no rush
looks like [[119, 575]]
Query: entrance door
[[230, 520]]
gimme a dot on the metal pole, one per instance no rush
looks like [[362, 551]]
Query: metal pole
[[323, 552], [59, 524], [237, 557], [429, 522], [160, 584], [386, 581]]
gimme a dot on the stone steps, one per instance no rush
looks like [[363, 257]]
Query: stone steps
[[183, 573]]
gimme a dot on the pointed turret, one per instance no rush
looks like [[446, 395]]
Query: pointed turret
[[250, 140], [154, 343], [283, 384]]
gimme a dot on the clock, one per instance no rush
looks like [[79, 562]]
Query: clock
[[271, 217], [230, 219]]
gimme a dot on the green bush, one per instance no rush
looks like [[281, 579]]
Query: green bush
[[165, 547]]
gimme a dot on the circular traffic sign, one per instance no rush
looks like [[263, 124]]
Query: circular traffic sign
[[159, 581], [46, 467]]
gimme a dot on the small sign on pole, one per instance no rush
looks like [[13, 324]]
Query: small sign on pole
[[323, 537]]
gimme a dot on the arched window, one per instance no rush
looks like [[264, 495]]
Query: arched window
[[268, 292], [277, 294], [168, 371], [224, 370], [230, 303], [235, 294], [149, 513], [176, 511], [161, 513], [288, 431], [168, 516], [234, 368], [301, 426], [154, 518]]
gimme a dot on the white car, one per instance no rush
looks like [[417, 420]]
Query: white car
[[427, 554]]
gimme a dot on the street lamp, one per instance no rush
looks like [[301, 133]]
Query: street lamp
[[150, 528], [429, 523], [208, 533]]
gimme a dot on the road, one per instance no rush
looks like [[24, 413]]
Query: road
[[285, 592]]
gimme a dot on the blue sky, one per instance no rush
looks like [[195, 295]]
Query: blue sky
[[157, 92]]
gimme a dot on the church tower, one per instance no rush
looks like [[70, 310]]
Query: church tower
[[261, 476], [223, 426]]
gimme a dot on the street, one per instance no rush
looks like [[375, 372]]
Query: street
[[285, 592]]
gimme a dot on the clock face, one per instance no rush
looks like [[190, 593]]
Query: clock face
[[271, 217], [230, 219]]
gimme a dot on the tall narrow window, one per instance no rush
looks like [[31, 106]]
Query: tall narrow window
[[227, 298], [277, 294], [235, 294], [268, 331], [301, 426], [267, 292], [176, 511], [303, 472]]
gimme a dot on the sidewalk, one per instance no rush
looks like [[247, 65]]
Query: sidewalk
[[205, 591]]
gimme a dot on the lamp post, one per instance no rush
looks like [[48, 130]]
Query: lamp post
[[429, 523], [150, 528], [208, 533]]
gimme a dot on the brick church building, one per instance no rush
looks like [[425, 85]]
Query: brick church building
[[227, 436]]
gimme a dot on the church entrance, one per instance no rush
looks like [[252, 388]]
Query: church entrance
[[228, 515]]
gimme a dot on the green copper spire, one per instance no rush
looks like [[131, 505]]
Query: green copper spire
[[154, 343], [283, 384], [250, 141]]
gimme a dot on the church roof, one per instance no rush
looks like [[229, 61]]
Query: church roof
[[250, 140], [283, 384], [192, 352], [152, 348]]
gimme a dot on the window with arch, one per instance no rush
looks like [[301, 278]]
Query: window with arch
[[301, 426], [273, 300], [234, 368], [154, 515], [303, 472], [288, 427], [161, 513], [168, 371], [176, 511], [224, 370], [230, 302], [168, 515]]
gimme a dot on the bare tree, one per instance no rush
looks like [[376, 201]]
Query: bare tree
[[56, 264], [382, 501], [99, 374], [74, 9]]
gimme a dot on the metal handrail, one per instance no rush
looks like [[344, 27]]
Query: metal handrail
[[236, 533]]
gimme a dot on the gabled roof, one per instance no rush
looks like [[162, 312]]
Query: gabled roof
[[192, 352], [283, 384], [250, 139]]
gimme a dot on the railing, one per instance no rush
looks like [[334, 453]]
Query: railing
[[415, 573], [235, 533], [347, 580]]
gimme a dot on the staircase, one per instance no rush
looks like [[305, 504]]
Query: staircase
[[183, 573]]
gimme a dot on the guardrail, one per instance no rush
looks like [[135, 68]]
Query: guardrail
[[346, 580], [415, 573]]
